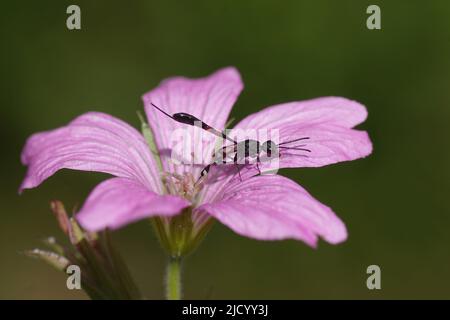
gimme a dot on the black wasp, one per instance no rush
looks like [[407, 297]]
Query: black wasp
[[241, 151]]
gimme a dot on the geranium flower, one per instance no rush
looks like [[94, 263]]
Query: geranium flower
[[147, 184], [266, 207]]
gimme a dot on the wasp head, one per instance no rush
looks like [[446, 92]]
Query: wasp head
[[270, 148]]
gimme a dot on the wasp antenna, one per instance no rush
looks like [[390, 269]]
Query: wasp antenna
[[295, 148], [295, 140], [296, 155], [298, 146]]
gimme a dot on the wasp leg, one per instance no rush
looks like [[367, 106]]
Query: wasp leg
[[258, 161], [239, 172], [204, 172], [235, 160]]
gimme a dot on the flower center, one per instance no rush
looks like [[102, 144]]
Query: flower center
[[180, 234], [182, 185]]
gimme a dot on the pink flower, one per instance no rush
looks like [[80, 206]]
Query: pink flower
[[266, 207]]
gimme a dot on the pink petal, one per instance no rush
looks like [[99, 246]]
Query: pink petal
[[332, 110], [92, 142], [327, 143], [210, 99], [327, 122], [272, 207], [120, 201]]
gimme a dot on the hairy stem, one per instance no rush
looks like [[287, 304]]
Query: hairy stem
[[173, 279]]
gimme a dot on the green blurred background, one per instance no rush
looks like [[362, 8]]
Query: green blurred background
[[394, 203]]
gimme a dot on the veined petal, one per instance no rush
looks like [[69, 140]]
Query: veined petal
[[272, 207], [332, 110], [92, 142], [326, 123], [210, 99], [327, 144], [119, 201]]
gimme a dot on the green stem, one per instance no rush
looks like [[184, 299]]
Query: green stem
[[173, 279]]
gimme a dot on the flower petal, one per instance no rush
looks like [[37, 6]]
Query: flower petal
[[210, 99], [327, 144], [119, 201], [333, 110], [272, 207], [325, 122], [92, 142]]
